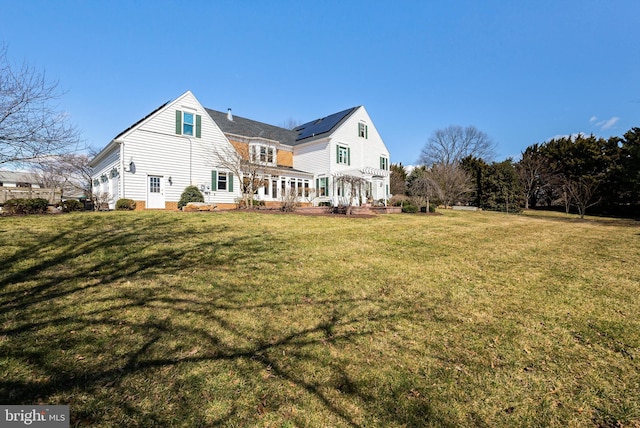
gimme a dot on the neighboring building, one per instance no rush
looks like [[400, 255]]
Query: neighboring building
[[24, 180], [182, 143], [24, 185]]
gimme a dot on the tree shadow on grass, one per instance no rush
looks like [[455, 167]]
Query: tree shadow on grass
[[144, 353]]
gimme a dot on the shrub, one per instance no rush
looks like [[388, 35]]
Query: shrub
[[125, 204], [190, 194], [240, 203], [26, 206], [398, 200], [409, 209], [72, 205], [289, 202], [432, 209]]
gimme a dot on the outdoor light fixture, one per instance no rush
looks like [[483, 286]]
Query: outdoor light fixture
[[170, 181], [132, 167]]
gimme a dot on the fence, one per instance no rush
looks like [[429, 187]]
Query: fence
[[51, 195]]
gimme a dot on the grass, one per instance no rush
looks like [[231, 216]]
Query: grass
[[244, 319]]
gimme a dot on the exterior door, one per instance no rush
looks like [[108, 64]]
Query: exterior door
[[155, 192]]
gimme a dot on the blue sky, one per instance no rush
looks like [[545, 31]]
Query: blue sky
[[521, 71]]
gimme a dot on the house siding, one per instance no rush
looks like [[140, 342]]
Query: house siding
[[109, 161], [155, 149]]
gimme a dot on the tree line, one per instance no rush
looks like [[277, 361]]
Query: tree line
[[574, 173]]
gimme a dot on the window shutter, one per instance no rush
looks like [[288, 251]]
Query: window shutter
[[178, 122], [366, 131], [214, 181], [230, 180], [198, 126], [317, 187], [337, 154], [348, 155], [381, 166]]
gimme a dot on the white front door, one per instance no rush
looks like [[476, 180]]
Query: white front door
[[155, 192], [377, 189]]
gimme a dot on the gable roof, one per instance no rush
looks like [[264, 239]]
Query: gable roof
[[251, 128], [324, 125], [140, 121]]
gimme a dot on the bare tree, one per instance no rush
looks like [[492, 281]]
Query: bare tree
[[582, 191], [30, 127], [251, 171], [450, 145], [452, 180], [424, 187], [290, 123], [68, 172], [352, 185], [531, 169]]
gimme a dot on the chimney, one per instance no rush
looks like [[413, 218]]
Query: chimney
[[229, 115]]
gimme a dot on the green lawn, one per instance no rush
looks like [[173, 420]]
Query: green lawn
[[247, 319]]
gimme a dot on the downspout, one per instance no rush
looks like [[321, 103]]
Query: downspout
[[121, 183]]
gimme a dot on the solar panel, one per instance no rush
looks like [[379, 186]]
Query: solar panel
[[320, 126]]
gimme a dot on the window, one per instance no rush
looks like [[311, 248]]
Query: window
[[363, 130], [263, 154], [188, 124], [306, 188], [343, 155], [384, 163], [322, 186], [274, 189], [221, 181]]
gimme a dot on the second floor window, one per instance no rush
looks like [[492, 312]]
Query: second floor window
[[343, 155], [384, 163], [362, 130], [264, 154], [187, 124]]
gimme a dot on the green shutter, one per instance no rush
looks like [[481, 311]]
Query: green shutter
[[381, 165], [198, 126], [348, 155], [178, 122], [366, 131], [214, 181], [337, 154], [317, 187], [230, 180]]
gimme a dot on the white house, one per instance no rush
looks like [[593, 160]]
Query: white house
[[181, 143]]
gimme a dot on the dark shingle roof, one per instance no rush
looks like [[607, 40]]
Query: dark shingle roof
[[300, 134], [251, 128], [140, 121]]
